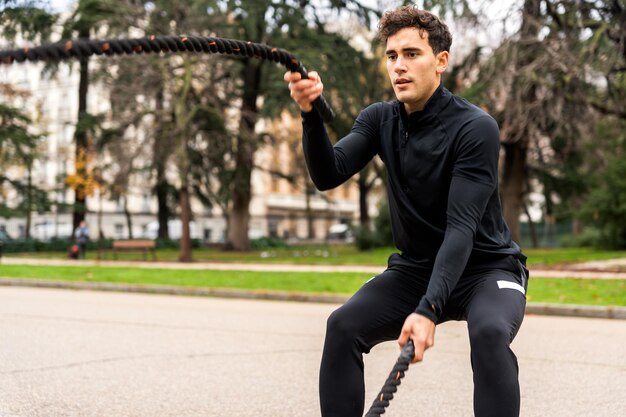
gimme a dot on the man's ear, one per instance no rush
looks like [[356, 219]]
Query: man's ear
[[442, 62]]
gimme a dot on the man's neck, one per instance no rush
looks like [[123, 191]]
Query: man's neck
[[419, 106]]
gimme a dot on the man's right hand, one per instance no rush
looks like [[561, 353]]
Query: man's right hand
[[304, 92], [421, 330]]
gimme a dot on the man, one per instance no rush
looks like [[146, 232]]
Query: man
[[457, 260], [81, 235]]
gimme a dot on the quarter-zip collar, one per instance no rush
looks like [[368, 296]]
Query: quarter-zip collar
[[440, 98]]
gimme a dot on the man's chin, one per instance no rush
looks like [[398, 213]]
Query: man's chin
[[403, 96]]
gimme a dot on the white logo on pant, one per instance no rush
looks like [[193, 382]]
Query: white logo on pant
[[512, 286]]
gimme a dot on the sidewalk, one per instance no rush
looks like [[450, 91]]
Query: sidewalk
[[576, 271], [587, 270]]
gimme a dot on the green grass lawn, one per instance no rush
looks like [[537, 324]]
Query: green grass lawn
[[577, 291], [559, 256], [283, 281], [562, 291], [340, 255]]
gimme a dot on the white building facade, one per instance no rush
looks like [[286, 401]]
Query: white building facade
[[277, 209]]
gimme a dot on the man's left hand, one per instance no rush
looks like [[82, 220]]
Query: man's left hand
[[421, 330]]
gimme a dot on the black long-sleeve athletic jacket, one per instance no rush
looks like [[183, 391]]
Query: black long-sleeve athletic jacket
[[442, 166]]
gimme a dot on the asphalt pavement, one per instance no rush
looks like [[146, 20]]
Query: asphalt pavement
[[87, 353]]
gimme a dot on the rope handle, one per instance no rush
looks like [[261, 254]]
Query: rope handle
[[385, 395], [155, 44], [320, 103]]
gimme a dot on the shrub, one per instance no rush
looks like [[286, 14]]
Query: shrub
[[605, 206], [590, 237], [366, 239], [267, 243]]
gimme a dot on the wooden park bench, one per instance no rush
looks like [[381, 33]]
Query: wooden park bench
[[135, 245]]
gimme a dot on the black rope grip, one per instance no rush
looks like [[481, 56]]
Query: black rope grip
[[393, 380], [156, 44], [320, 103]]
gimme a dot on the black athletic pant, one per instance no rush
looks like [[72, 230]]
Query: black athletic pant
[[489, 298]]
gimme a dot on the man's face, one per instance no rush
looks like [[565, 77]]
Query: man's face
[[414, 69]]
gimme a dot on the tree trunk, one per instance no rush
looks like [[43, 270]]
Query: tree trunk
[[533, 229], [224, 236], [129, 221], [239, 220], [80, 138], [548, 216], [160, 160], [513, 180], [364, 215], [185, 218], [182, 117], [514, 176], [99, 221], [29, 200], [308, 192], [163, 214], [577, 226], [244, 158]]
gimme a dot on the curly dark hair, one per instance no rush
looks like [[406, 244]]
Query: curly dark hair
[[439, 37]]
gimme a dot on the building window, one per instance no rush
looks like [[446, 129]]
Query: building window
[[119, 206], [275, 183], [346, 191], [119, 230], [272, 226], [146, 203]]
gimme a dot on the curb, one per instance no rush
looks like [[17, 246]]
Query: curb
[[574, 310], [176, 290], [544, 309]]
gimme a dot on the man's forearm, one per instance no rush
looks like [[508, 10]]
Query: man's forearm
[[319, 153]]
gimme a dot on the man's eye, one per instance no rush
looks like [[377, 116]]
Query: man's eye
[[412, 54], [391, 57]]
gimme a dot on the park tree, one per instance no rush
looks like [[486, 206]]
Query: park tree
[[19, 148], [212, 168], [549, 85], [168, 98], [187, 95], [292, 25], [25, 21], [32, 21], [91, 18], [28, 20], [604, 207], [210, 91]]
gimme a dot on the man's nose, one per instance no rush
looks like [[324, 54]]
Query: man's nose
[[399, 66]]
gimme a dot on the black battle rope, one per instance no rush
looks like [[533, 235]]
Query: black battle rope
[[84, 47], [391, 384]]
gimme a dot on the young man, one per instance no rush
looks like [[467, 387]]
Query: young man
[[81, 235], [457, 260]]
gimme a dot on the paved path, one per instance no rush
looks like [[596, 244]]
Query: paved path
[[617, 312], [535, 272], [81, 353]]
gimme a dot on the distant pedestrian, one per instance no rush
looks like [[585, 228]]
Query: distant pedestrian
[[81, 236]]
